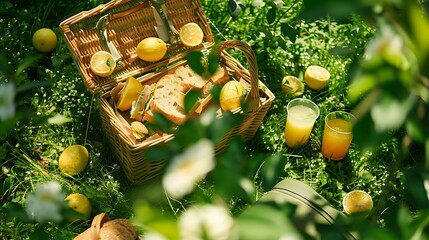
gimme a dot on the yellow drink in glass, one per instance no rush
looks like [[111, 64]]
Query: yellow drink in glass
[[302, 113], [337, 135]]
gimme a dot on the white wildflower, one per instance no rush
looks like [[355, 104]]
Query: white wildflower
[[206, 222], [7, 100], [258, 3], [45, 203], [188, 168], [279, 3]]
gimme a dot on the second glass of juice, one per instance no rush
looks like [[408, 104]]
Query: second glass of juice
[[337, 135], [301, 115]]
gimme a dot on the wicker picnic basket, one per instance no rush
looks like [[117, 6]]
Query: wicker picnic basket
[[129, 22]]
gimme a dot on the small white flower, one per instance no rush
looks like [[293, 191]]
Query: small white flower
[[7, 100], [188, 168], [258, 3], [45, 203], [206, 222], [279, 3]]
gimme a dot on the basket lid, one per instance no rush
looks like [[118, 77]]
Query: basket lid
[[124, 23]]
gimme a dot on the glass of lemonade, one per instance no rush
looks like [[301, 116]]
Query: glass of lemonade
[[301, 115], [337, 135]]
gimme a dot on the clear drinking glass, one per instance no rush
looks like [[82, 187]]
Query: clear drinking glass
[[301, 115], [337, 135]]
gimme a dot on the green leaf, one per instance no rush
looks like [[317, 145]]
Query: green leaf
[[191, 99], [194, 59], [416, 129], [213, 63], [271, 171], [390, 112], [262, 221], [289, 31], [271, 15], [27, 62]]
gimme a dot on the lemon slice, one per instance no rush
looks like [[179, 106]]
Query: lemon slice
[[130, 93], [191, 35], [316, 77], [357, 201], [102, 64]]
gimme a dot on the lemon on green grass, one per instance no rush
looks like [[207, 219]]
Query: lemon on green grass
[[102, 64], [357, 201], [80, 203], [151, 49], [231, 95], [191, 34], [73, 160], [129, 94], [292, 85], [44, 40], [316, 77]]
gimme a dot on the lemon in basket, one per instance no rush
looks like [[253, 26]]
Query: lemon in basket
[[80, 203], [316, 77], [357, 201], [73, 160], [130, 93], [191, 35], [231, 95], [151, 49], [102, 64]]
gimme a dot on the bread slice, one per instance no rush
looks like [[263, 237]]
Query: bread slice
[[190, 79], [168, 98], [220, 77]]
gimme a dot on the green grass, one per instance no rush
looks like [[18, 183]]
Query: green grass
[[30, 153]]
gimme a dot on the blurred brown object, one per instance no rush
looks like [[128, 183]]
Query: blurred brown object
[[104, 229]]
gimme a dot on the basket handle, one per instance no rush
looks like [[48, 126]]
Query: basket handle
[[253, 96], [96, 225]]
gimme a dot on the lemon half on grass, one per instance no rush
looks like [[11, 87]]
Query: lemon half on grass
[[130, 93], [102, 64], [231, 95], [73, 160], [80, 203], [292, 85], [357, 201], [316, 77], [151, 49], [191, 34]]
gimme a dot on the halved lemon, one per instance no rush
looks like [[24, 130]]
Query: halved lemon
[[102, 64], [130, 93], [316, 77], [357, 201], [292, 85], [191, 35]]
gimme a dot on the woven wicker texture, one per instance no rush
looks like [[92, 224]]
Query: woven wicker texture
[[129, 23], [131, 154]]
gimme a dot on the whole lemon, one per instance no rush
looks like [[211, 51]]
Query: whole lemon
[[44, 40], [151, 49], [231, 95], [73, 160], [80, 203]]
